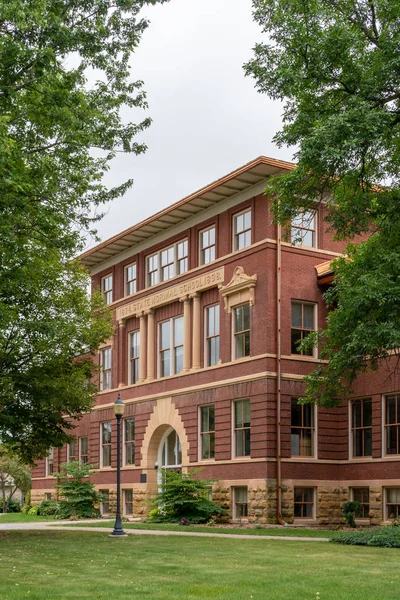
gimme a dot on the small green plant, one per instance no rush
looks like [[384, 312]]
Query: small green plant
[[33, 511], [78, 497], [184, 496], [350, 511], [384, 537], [13, 506], [27, 504], [48, 508]]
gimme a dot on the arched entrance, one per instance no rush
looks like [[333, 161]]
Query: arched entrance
[[169, 452]]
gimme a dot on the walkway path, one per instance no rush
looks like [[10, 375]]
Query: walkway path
[[61, 527]]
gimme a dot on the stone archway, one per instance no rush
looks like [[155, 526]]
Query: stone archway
[[164, 417]]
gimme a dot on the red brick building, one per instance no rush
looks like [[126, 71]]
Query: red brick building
[[209, 300]]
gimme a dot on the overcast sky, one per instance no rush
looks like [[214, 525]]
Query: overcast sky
[[208, 119]]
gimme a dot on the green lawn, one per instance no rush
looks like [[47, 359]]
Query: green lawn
[[287, 531], [69, 565], [20, 518]]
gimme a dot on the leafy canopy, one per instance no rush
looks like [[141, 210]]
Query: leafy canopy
[[336, 66], [78, 497], [14, 475], [64, 82]]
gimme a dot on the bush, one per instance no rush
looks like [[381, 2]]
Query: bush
[[350, 511], [183, 496], [13, 506], [384, 537], [48, 508], [33, 511], [27, 504], [77, 494]]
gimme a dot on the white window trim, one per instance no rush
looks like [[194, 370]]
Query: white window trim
[[315, 496], [385, 515], [124, 490], [101, 446], [315, 245], [233, 503], [101, 353], [206, 365], [158, 253], [112, 287], [123, 434], [199, 445], [314, 456], [125, 278], [233, 438], [355, 487], [51, 450], [383, 425], [171, 347], [315, 304], [351, 440], [213, 226], [130, 382], [68, 450], [80, 448], [233, 346], [234, 232]]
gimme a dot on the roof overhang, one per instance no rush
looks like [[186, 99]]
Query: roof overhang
[[228, 186], [325, 273]]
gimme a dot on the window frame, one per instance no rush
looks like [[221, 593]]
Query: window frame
[[133, 360], [236, 503], [102, 352], [127, 282], [236, 234], [103, 503], [363, 504], [241, 429], [109, 292], [210, 433], [387, 516], [81, 454], [75, 454], [243, 332], [208, 337], [386, 425], [50, 461], [102, 445], [302, 328], [361, 428], [130, 441], [313, 428], [175, 263], [303, 503], [172, 346], [314, 231], [205, 248], [125, 502]]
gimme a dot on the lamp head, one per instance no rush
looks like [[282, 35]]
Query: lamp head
[[119, 407]]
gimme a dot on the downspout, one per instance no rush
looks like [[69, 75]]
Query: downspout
[[278, 374]]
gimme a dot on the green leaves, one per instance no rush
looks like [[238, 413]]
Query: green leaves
[[337, 66]]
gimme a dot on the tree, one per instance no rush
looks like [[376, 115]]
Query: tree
[[64, 80], [336, 65], [78, 496], [14, 475]]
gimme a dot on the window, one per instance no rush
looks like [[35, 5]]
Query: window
[[171, 347], [129, 441], [302, 429], [303, 503], [240, 505], [47, 496], [392, 503], [212, 335], [167, 263], [128, 502], [361, 495], [105, 369], [241, 330], [106, 288], [242, 427], [134, 354], [130, 279], [72, 451], [392, 424], [207, 245], [105, 431], [84, 450], [207, 431], [105, 503], [361, 427], [303, 229], [302, 324], [50, 462], [242, 230]]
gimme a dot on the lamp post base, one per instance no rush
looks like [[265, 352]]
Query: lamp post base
[[118, 532], [118, 535]]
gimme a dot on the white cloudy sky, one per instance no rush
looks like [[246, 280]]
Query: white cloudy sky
[[208, 119]]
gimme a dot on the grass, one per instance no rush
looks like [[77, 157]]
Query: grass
[[20, 518], [67, 565], [287, 531]]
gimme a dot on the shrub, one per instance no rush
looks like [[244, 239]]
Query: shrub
[[350, 511], [183, 496], [27, 503], [33, 511], [48, 508], [385, 537], [77, 494], [13, 506]]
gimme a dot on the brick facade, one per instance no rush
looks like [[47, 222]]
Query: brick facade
[[161, 404]]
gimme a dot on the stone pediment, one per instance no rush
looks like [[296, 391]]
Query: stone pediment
[[240, 289]]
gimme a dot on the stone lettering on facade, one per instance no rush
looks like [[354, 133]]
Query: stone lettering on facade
[[175, 292]]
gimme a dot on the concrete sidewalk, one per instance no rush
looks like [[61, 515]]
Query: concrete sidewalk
[[65, 526]]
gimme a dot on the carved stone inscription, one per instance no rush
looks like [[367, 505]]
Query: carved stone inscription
[[175, 292]]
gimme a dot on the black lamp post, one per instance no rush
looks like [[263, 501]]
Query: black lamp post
[[119, 409]]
